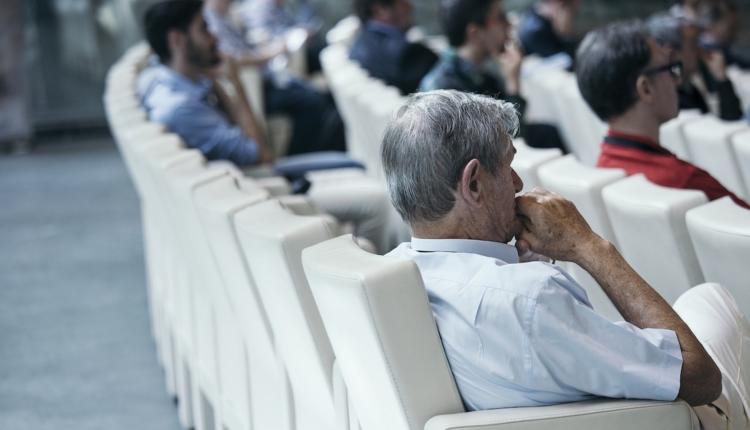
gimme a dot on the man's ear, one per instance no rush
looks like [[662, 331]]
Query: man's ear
[[644, 89], [469, 187], [472, 31]]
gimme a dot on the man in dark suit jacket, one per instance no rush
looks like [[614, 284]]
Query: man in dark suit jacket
[[381, 47]]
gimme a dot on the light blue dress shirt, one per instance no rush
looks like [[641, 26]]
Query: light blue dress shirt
[[189, 109], [524, 334]]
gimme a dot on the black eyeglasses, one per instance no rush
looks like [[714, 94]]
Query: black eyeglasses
[[674, 69]]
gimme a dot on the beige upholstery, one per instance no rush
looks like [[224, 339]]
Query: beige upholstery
[[527, 161], [649, 224], [720, 231], [254, 383], [741, 147], [376, 313], [273, 239], [709, 144], [672, 133]]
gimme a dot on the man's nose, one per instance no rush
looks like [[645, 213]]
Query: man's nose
[[517, 182]]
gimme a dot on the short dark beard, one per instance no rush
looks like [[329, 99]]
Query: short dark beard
[[196, 58]]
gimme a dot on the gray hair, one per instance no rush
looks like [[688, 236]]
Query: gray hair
[[429, 141]]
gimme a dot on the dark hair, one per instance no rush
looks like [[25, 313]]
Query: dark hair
[[165, 16], [456, 15], [608, 64], [363, 8]]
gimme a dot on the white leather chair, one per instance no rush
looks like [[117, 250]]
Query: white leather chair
[[273, 239], [527, 161], [710, 148], [583, 186], [588, 129], [377, 316], [741, 147], [254, 384], [672, 135], [344, 32], [199, 289], [720, 231], [177, 333], [649, 223]]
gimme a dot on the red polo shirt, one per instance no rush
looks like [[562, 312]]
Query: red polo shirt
[[639, 154]]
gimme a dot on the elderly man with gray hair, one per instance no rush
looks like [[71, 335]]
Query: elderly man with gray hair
[[524, 333]]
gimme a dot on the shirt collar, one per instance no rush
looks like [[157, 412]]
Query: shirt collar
[[643, 143], [496, 250], [178, 82]]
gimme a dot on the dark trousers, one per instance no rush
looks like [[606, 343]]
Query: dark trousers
[[317, 125]]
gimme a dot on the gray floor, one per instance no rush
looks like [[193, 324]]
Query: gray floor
[[75, 346]]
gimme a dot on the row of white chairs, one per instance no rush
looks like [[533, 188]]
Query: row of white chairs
[[674, 238], [245, 341]]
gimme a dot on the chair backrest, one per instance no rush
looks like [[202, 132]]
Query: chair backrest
[[672, 135], [527, 161], [273, 238], [582, 185], [741, 147], [720, 231], [254, 353], [649, 223], [710, 148], [379, 321], [344, 31]]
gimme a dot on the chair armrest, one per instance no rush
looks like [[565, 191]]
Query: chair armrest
[[275, 185], [594, 414]]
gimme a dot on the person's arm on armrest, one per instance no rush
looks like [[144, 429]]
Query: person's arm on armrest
[[554, 227], [242, 113]]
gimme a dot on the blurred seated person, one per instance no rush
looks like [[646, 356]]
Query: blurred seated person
[[520, 333], [705, 85], [479, 34], [182, 94], [316, 123], [272, 19], [630, 81], [721, 21], [546, 28], [381, 47]]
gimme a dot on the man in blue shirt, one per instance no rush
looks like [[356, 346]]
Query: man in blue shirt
[[381, 47], [182, 94], [524, 333]]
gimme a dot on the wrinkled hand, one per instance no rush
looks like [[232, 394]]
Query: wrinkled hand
[[552, 226], [717, 64]]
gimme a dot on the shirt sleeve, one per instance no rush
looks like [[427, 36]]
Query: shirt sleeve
[[580, 350], [703, 181], [204, 128]]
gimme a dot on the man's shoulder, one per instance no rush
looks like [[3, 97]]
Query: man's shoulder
[[486, 273]]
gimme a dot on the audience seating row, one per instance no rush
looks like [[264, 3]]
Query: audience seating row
[[246, 343]]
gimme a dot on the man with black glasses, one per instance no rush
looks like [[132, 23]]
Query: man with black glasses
[[630, 81]]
